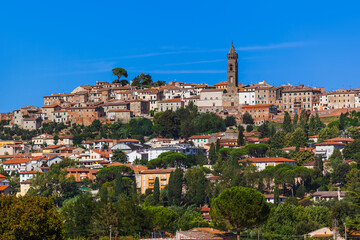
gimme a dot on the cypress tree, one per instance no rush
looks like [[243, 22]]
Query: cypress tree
[[312, 126], [276, 195], [295, 121], [240, 140], [342, 122], [118, 186], [287, 127], [156, 193], [218, 145], [212, 154]]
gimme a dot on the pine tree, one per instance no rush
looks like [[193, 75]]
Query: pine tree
[[212, 154], [156, 193], [287, 127], [240, 140], [118, 186]]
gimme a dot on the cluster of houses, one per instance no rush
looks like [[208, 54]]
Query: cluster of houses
[[109, 102]]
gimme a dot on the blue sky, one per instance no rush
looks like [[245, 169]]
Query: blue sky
[[53, 46]]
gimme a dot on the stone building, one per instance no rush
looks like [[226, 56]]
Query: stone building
[[231, 96]]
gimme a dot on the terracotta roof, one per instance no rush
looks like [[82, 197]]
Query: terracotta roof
[[257, 106], [30, 172], [339, 139], [322, 235], [330, 143], [200, 137], [221, 84], [2, 176], [3, 187], [268, 159], [120, 110], [213, 90], [136, 168], [127, 140], [53, 147], [160, 171], [171, 100], [17, 160]]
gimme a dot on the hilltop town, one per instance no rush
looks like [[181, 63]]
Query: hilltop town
[[152, 145]]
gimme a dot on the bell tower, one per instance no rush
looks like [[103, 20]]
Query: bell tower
[[231, 96], [232, 68]]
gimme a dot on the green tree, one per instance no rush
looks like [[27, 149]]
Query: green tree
[[295, 121], [230, 121], [218, 147], [162, 218], [247, 118], [257, 150], [29, 217], [240, 140], [104, 217], [240, 208], [302, 157], [340, 173], [264, 130], [77, 213], [276, 195], [278, 140], [249, 128], [156, 193], [212, 154], [299, 138], [56, 139], [119, 72], [287, 126], [119, 156], [175, 187], [328, 132], [351, 149], [195, 183], [166, 124]]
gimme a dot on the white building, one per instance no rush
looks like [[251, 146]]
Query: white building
[[247, 97], [202, 140], [181, 148], [326, 149], [262, 163]]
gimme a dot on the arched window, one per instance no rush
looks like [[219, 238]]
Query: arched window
[[231, 67]]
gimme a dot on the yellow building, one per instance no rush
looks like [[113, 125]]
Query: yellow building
[[7, 142], [147, 178]]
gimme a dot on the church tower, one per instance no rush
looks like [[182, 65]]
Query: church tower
[[232, 68], [231, 96]]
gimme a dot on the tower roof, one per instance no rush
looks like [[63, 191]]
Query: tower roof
[[232, 49]]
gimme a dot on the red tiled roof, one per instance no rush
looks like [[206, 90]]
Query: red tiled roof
[[160, 171], [200, 137], [53, 147], [339, 139], [330, 143], [257, 106], [221, 84], [269, 159], [170, 101], [3, 187]]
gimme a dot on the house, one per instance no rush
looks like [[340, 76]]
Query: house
[[270, 198], [53, 149], [313, 138], [94, 157], [204, 233], [205, 213], [262, 163], [147, 178], [11, 149], [322, 233], [162, 142], [137, 155], [4, 180], [122, 115], [82, 173], [42, 140], [60, 116], [26, 175], [65, 140], [201, 140], [329, 195], [24, 187], [6, 190], [180, 148], [31, 123], [170, 104], [260, 112], [326, 149], [340, 140]]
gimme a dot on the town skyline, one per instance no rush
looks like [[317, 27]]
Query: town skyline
[[280, 43]]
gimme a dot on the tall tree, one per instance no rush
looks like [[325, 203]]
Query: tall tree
[[287, 127], [195, 182], [156, 193], [119, 156], [104, 217], [212, 154], [241, 140], [276, 195], [218, 147], [299, 138], [175, 187], [240, 208], [119, 72], [295, 121]]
